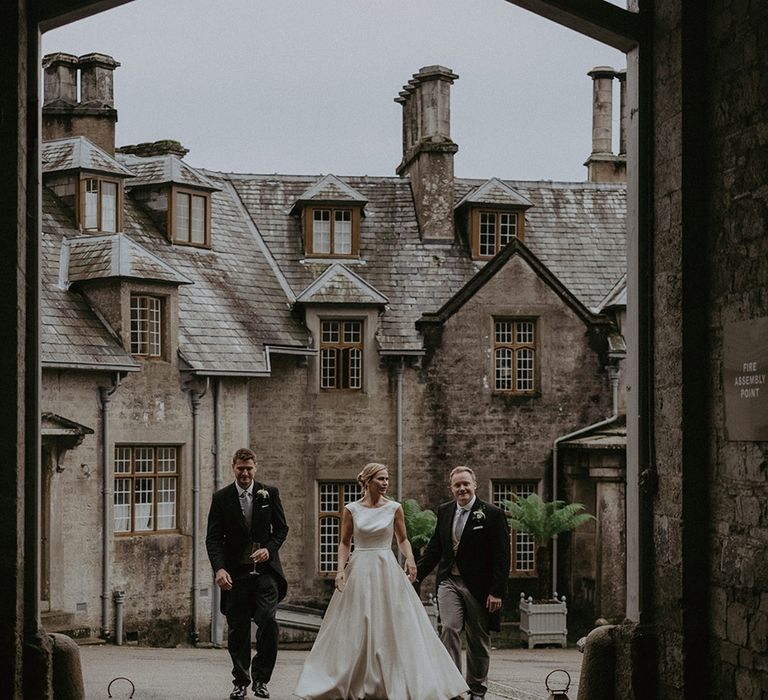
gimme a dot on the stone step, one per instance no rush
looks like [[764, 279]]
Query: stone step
[[89, 641], [57, 620]]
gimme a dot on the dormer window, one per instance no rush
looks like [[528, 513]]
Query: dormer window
[[190, 221], [100, 204], [491, 216], [332, 231], [491, 231]]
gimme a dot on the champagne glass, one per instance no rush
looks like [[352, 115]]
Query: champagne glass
[[254, 547]]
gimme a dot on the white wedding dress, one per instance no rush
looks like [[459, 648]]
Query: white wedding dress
[[376, 640]]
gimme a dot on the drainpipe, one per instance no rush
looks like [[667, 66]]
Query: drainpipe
[[613, 375], [195, 398], [119, 597], [400, 428], [217, 630], [105, 396]]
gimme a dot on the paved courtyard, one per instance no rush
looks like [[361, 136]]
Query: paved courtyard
[[204, 674]]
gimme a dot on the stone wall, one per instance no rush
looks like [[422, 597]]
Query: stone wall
[[667, 282], [155, 569], [502, 436], [505, 436], [711, 267], [302, 436], [738, 258]]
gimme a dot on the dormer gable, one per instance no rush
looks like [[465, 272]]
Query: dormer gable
[[516, 248], [490, 216], [132, 291], [88, 180], [339, 285], [114, 256], [176, 196], [330, 213]]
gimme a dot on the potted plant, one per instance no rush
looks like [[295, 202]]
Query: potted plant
[[543, 618]]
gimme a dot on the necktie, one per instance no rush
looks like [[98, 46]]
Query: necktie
[[245, 504], [458, 524]]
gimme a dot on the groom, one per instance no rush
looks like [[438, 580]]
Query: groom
[[470, 547], [246, 526]]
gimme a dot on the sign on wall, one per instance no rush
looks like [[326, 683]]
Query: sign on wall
[[745, 369]]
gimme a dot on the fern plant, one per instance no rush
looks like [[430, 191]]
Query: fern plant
[[419, 524], [543, 520]]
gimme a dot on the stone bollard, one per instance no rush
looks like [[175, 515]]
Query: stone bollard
[[67, 673], [598, 667]]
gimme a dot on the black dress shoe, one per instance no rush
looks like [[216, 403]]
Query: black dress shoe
[[260, 689], [239, 691]]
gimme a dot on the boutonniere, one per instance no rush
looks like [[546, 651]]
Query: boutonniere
[[263, 494], [478, 515]]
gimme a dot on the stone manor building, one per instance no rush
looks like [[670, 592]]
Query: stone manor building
[[422, 320]]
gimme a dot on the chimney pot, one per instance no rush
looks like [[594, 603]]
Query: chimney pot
[[603, 165], [60, 79], [621, 76], [602, 107], [96, 85]]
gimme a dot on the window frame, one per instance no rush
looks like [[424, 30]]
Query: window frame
[[516, 347], [161, 326], [83, 181], [132, 476], [522, 487], [309, 230], [172, 204], [341, 346], [341, 498], [475, 223]]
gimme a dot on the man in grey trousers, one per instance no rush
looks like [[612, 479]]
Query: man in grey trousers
[[470, 547]]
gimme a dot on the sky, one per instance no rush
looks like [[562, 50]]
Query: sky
[[308, 86]]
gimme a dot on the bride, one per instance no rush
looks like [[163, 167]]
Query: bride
[[376, 640]]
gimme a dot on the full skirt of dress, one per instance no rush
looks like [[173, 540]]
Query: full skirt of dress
[[376, 640]]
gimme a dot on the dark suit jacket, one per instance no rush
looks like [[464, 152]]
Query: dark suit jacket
[[228, 535], [482, 557]]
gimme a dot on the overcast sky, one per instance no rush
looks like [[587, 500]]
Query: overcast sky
[[307, 86]]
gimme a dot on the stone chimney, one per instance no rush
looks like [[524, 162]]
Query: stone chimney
[[94, 114], [603, 165], [428, 149]]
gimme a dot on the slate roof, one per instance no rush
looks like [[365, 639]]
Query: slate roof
[[494, 192], [608, 437], [235, 300], [515, 247], [237, 305], [54, 424], [328, 189], [78, 153], [575, 229], [414, 276], [234, 310], [164, 169], [115, 255], [617, 296], [339, 285], [71, 333]]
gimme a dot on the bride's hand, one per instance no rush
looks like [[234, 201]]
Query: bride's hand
[[410, 569], [339, 581]]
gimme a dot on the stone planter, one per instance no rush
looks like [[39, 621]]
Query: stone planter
[[543, 623]]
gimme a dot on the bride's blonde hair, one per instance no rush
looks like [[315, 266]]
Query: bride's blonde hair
[[369, 471]]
